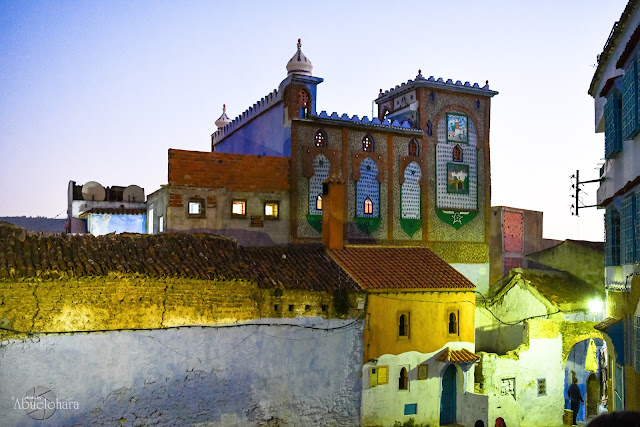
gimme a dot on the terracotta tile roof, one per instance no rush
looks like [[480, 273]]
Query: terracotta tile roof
[[25, 254], [607, 323], [376, 267], [463, 355], [298, 267]]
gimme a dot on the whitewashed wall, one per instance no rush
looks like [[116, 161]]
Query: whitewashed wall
[[384, 404], [247, 375], [542, 359]]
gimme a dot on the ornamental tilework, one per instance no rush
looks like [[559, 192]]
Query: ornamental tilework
[[444, 155], [368, 187], [321, 173], [411, 192]]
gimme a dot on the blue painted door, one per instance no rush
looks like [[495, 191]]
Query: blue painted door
[[448, 400]]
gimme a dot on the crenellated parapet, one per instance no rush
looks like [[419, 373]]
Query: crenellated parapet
[[386, 123], [256, 109]]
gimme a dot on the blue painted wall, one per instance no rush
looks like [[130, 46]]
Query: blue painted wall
[[262, 136], [576, 363]]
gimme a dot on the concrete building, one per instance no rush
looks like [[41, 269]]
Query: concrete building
[[98, 210], [614, 88]]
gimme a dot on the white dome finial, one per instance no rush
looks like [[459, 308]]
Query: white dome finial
[[223, 120], [299, 63]]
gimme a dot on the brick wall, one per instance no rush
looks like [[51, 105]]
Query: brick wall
[[236, 172]]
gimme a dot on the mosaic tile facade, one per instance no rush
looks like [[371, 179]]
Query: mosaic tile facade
[[368, 188], [321, 168], [411, 192], [444, 156]]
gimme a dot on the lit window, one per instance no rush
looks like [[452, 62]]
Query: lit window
[[423, 372], [194, 208], [271, 210], [161, 224], [367, 143], [239, 208], [403, 380], [403, 325], [319, 202], [368, 206], [321, 139], [542, 386], [150, 220], [453, 324]]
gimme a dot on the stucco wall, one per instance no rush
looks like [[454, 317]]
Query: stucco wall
[[255, 375], [427, 308], [541, 359], [584, 263], [385, 404]]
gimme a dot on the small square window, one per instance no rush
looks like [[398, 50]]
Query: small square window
[[542, 386], [239, 208], [271, 210], [423, 372], [290, 307], [411, 409], [508, 387], [196, 208]]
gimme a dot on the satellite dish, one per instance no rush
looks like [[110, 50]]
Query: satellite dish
[[93, 191], [133, 193]]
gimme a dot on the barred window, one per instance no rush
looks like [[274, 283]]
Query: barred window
[[627, 230], [612, 237]]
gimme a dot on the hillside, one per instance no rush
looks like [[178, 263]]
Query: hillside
[[39, 223]]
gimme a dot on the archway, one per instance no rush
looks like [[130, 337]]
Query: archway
[[448, 399]]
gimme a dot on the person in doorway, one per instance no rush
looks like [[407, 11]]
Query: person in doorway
[[576, 398]]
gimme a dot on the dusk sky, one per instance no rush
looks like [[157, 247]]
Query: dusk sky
[[99, 91]]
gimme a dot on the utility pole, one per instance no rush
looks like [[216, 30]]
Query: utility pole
[[575, 208]]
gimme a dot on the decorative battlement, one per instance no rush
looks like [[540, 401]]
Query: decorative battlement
[[365, 121], [440, 83], [262, 105]]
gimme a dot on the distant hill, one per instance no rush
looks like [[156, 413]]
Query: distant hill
[[39, 223]]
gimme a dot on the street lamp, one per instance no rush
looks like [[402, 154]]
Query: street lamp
[[595, 306]]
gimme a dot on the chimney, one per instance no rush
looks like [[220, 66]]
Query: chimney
[[333, 213]]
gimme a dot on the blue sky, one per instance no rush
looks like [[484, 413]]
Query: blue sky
[[93, 90]]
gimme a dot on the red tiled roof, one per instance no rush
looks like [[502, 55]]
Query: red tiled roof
[[463, 355], [377, 267]]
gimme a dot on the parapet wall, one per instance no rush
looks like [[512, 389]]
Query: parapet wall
[[235, 172]]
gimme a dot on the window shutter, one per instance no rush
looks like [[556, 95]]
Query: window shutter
[[612, 237], [629, 102], [627, 228], [612, 125], [637, 229]]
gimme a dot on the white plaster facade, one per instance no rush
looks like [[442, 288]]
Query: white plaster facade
[[540, 360], [383, 405], [242, 376]]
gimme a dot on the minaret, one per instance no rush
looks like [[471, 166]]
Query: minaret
[[224, 119], [299, 63]]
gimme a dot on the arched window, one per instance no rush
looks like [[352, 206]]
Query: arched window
[[410, 194], [368, 206], [453, 324], [321, 139], [414, 148], [303, 103], [457, 153], [320, 173], [367, 144], [403, 380], [403, 325]]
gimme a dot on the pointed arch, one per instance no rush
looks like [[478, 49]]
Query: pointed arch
[[457, 153], [414, 148], [321, 168], [403, 379], [368, 188], [410, 192]]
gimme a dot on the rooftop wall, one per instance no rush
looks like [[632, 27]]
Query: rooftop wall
[[236, 172]]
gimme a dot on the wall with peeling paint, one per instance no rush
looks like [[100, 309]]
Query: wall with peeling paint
[[245, 375]]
